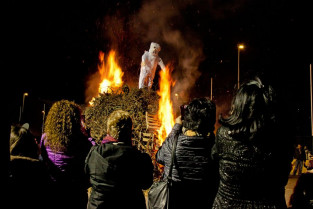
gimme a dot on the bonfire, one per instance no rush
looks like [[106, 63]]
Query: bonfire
[[113, 95], [137, 102]]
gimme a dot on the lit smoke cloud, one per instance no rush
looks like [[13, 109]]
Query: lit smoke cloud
[[92, 86], [161, 21], [165, 22], [158, 21]]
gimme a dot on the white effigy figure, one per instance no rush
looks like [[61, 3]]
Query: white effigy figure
[[149, 62]]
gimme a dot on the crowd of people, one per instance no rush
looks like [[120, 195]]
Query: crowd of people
[[245, 163]]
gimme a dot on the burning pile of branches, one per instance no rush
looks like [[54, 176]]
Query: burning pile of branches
[[135, 101]]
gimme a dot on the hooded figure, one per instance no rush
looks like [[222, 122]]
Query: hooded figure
[[149, 61]]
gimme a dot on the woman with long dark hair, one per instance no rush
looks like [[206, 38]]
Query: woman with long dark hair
[[254, 160]]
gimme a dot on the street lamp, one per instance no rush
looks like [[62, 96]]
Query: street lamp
[[239, 46], [24, 95], [22, 109]]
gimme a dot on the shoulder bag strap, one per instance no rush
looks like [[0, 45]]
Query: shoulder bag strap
[[173, 157]]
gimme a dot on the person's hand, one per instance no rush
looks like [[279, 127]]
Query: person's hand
[[178, 120]]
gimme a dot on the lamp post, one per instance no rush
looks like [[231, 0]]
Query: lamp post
[[211, 96], [43, 118], [22, 108], [311, 103], [239, 46]]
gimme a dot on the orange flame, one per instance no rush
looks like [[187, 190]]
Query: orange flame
[[110, 72], [165, 112]]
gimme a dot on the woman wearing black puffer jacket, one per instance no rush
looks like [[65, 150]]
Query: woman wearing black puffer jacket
[[194, 173]]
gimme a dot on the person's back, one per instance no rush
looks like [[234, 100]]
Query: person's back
[[254, 162], [194, 172], [29, 179], [118, 172], [300, 153], [302, 196], [64, 149], [249, 176], [300, 157]]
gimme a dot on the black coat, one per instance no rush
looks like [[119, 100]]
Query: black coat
[[29, 181], [250, 176], [299, 154], [194, 172], [118, 174], [28, 184], [302, 196]]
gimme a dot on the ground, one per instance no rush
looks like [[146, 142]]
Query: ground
[[289, 187]]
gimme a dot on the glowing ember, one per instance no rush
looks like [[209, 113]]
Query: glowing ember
[[165, 113], [110, 72]]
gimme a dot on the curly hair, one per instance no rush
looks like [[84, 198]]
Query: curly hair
[[119, 125], [63, 124]]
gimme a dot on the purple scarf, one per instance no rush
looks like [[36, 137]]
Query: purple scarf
[[108, 139]]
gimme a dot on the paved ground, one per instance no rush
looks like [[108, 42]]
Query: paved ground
[[289, 187]]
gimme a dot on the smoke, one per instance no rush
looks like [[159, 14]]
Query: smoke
[[189, 58], [164, 22], [129, 28], [92, 86], [153, 21]]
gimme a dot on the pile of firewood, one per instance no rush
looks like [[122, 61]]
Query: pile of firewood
[[135, 101]]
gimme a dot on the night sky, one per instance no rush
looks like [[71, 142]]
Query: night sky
[[50, 48]]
